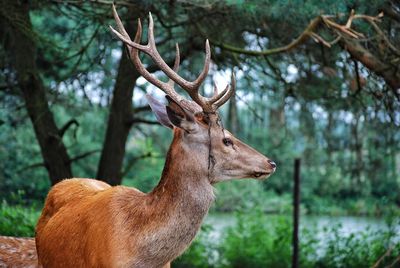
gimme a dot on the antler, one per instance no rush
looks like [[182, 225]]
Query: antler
[[208, 105]]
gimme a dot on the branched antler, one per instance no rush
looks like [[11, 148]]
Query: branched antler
[[207, 105]]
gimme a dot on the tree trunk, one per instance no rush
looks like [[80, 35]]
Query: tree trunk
[[233, 120], [276, 128], [21, 44], [119, 121]]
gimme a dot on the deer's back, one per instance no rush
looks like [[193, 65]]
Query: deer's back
[[69, 192], [76, 225], [86, 223]]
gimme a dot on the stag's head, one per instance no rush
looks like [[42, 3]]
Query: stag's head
[[196, 122]]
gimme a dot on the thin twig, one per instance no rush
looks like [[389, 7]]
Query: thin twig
[[382, 257], [83, 155]]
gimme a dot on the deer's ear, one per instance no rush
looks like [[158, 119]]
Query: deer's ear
[[160, 111], [179, 116]]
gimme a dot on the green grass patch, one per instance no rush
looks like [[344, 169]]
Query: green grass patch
[[18, 220]]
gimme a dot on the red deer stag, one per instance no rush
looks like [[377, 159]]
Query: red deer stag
[[88, 223]]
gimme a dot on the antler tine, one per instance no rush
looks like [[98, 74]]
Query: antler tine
[[207, 60], [150, 34], [217, 95], [190, 87], [208, 105], [176, 64], [193, 87], [215, 90], [229, 90], [120, 26], [124, 36], [177, 58], [134, 48], [134, 55]]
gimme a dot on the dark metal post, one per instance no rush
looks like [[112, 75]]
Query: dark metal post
[[296, 210]]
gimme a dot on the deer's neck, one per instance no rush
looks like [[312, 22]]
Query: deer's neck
[[184, 183], [176, 208]]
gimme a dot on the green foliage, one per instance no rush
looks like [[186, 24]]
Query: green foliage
[[145, 161], [247, 194], [17, 220], [362, 249], [19, 153], [351, 206], [258, 240]]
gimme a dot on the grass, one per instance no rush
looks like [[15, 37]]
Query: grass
[[18, 220]]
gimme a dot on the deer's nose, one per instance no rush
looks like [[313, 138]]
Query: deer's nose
[[272, 163]]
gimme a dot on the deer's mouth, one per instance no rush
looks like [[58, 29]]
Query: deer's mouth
[[261, 175]]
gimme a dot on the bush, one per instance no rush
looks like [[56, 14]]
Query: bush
[[258, 240], [361, 249], [17, 220]]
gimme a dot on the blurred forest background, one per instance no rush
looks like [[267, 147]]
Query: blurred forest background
[[316, 80]]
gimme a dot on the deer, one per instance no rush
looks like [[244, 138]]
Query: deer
[[88, 223], [18, 252]]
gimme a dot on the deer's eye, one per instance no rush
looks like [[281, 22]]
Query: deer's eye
[[227, 141]]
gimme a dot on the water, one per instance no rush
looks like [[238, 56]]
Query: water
[[348, 224]]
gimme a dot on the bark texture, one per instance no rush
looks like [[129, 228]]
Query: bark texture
[[390, 73], [233, 120], [119, 120]]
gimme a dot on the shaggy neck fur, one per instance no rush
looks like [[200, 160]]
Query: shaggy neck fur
[[185, 172], [178, 205]]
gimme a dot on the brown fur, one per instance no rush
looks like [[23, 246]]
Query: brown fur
[[18, 252], [87, 223]]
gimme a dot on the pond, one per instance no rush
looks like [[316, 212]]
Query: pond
[[348, 224]]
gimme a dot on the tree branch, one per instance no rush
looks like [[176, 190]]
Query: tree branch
[[348, 39], [302, 38], [359, 53], [144, 108], [309, 32], [134, 160], [390, 12], [84, 155], [136, 120], [35, 165], [66, 126], [76, 158], [356, 70]]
